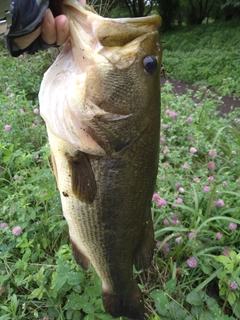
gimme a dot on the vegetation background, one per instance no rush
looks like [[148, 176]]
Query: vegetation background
[[196, 207]]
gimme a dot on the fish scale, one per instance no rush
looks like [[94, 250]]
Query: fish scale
[[101, 104]]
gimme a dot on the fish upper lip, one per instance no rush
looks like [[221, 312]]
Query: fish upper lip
[[96, 29]]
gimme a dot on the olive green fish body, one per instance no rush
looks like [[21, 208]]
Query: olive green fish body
[[102, 112]]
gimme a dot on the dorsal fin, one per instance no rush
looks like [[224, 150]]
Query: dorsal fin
[[83, 180]]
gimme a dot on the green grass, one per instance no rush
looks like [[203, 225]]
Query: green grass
[[38, 276], [207, 55]]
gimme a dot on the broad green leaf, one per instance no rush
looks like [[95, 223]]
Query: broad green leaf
[[26, 255], [97, 283], [238, 258], [177, 312], [40, 276], [194, 299], [171, 285], [213, 305], [75, 278], [37, 293], [20, 278], [69, 314], [196, 311], [161, 301], [207, 269], [76, 315], [74, 302], [20, 264], [229, 267], [223, 259], [231, 298], [63, 267], [233, 255], [88, 308], [223, 291], [206, 315], [236, 308], [60, 281]]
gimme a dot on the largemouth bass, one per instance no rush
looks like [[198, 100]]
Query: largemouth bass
[[101, 104]]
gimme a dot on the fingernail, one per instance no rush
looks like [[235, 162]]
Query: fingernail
[[49, 17], [65, 28]]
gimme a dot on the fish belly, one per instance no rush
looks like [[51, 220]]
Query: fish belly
[[111, 228]]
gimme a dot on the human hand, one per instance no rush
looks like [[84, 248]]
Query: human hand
[[54, 31]]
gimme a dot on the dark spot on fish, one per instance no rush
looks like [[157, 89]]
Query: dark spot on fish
[[150, 64], [65, 194]]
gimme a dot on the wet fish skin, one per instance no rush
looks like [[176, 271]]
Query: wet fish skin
[[102, 112]]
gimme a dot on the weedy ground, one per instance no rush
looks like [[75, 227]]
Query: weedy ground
[[206, 55], [195, 208]]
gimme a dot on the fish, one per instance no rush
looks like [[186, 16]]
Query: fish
[[100, 101]]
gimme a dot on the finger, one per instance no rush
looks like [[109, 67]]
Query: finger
[[62, 26], [48, 26], [62, 29], [24, 41]]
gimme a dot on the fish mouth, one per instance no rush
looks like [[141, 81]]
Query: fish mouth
[[100, 38]]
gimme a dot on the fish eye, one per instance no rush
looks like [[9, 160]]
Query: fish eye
[[150, 64]]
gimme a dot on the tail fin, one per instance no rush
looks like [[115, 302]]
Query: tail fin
[[129, 304]]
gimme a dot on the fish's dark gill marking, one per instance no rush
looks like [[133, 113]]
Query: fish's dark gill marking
[[83, 180]]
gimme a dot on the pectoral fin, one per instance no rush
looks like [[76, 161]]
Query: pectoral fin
[[83, 180]]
